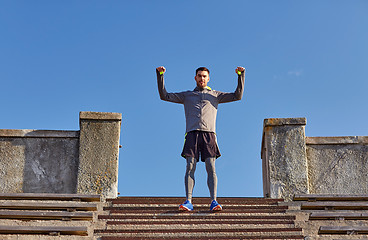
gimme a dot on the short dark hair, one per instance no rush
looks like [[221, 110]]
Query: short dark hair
[[202, 69]]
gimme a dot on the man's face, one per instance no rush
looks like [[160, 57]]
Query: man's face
[[202, 79]]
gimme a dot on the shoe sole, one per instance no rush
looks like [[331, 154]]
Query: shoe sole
[[182, 208], [217, 208]]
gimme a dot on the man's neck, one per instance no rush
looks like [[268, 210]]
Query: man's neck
[[201, 89]]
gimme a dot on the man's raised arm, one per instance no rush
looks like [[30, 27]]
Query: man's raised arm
[[238, 94], [164, 95], [160, 82], [241, 79]]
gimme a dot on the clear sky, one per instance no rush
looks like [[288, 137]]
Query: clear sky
[[303, 59]]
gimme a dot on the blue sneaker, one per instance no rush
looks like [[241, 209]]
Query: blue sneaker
[[215, 206], [186, 206]]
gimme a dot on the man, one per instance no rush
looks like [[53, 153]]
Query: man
[[200, 107]]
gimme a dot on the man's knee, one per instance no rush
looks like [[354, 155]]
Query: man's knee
[[191, 164], [210, 165]]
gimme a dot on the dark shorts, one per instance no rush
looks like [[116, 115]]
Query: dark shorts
[[200, 143]]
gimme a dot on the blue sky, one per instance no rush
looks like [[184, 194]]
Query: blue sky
[[303, 59]]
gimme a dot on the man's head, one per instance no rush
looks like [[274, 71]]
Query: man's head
[[202, 77]]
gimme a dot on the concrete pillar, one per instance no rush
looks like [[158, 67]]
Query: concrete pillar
[[99, 153], [284, 159]]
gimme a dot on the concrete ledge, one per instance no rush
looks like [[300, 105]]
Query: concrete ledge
[[284, 121], [349, 230], [100, 116], [29, 133], [45, 215], [330, 197], [4, 229], [41, 205], [51, 196], [362, 140]]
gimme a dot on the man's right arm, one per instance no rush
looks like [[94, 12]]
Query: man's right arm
[[164, 95]]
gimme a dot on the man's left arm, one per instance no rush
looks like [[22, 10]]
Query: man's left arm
[[238, 94]]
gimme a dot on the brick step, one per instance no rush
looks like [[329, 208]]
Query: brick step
[[204, 226], [230, 237], [197, 200], [206, 206], [199, 207], [203, 211], [39, 205], [45, 230], [209, 234], [208, 229], [245, 211], [191, 215], [129, 222], [50, 196]]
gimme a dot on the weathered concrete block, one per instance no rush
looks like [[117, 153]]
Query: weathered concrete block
[[50, 161], [295, 164], [338, 165], [12, 161], [99, 153], [38, 161], [285, 170]]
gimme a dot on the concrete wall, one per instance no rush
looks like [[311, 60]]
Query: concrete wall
[[48, 161], [338, 165], [35, 161], [295, 164]]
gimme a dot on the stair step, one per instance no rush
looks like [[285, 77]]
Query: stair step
[[166, 208], [195, 222], [197, 216], [69, 206], [197, 200], [332, 197], [343, 230], [341, 205], [209, 229], [42, 215], [49, 230], [225, 210], [209, 232], [50, 196], [339, 216], [204, 237], [203, 227], [201, 207]]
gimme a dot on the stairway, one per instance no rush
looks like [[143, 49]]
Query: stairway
[[332, 217], [159, 218], [28, 216]]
